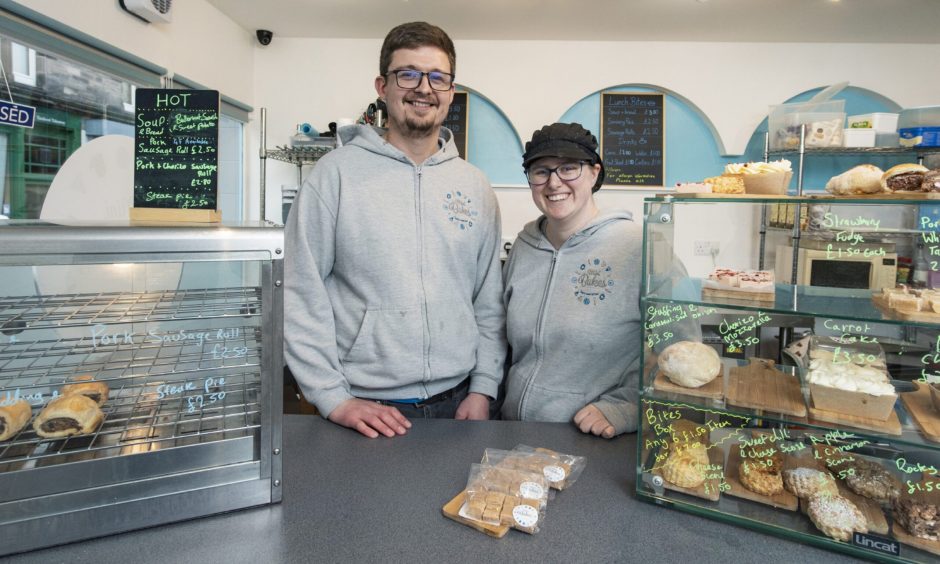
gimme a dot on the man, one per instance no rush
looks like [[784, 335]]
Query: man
[[393, 288]]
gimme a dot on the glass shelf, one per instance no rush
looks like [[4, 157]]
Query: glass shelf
[[809, 301], [856, 150]]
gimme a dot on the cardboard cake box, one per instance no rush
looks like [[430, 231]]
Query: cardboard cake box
[[859, 404]]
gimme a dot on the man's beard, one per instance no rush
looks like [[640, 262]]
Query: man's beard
[[418, 128]]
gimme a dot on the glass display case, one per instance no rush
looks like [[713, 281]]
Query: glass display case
[[796, 399], [141, 373]]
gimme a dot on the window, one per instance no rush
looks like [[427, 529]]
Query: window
[[23, 63], [83, 89]]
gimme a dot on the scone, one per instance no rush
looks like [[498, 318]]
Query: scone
[[871, 480], [762, 475], [686, 468], [64, 416], [918, 518], [690, 364], [86, 385], [805, 483], [836, 516], [14, 417]]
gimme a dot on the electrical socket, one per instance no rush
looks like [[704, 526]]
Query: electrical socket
[[705, 248]]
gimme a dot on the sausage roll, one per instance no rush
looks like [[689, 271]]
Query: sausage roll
[[72, 414], [86, 386], [14, 417]]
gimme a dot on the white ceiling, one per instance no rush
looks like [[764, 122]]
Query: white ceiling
[[826, 21]]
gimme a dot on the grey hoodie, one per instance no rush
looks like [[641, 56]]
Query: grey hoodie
[[573, 322], [392, 279]]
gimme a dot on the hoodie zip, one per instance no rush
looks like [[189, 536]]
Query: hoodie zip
[[425, 331], [537, 343]]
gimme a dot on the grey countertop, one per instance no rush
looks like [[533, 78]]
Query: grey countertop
[[351, 499]]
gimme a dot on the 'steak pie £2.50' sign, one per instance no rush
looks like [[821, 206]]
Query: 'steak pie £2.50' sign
[[176, 157]]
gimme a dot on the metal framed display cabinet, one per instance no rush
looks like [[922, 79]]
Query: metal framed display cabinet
[[771, 403], [183, 327]]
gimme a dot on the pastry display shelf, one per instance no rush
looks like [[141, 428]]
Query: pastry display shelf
[[806, 301], [65, 310], [910, 435], [140, 417], [762, 517]]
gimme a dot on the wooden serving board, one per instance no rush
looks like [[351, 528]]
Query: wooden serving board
[[891, 426], [451, 510], [920, 406], [761, 386], [709, 489], [881, 303], [750, 297], [712, 390], [783, 500]]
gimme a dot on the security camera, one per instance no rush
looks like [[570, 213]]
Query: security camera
[[264, 36]]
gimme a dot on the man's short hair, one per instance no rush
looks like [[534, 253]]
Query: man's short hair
[[412, 36]]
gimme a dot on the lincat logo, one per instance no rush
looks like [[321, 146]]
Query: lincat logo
[[874, 542], [459, 209]]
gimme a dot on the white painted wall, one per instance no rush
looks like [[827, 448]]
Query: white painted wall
[[320, 80]]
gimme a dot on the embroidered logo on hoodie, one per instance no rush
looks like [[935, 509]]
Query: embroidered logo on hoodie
[[459, 210], [592, 281]]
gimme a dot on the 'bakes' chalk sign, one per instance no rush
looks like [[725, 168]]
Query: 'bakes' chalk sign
[[176, 157]]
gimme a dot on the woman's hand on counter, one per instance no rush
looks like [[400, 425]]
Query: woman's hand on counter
[[590, 420], [370, 418], [475, 406]]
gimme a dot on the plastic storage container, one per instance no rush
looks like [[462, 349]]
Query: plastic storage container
[[859, 137], [824, 121], [878, 121], [920, 127]]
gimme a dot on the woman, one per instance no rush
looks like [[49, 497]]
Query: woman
[[572, 294]]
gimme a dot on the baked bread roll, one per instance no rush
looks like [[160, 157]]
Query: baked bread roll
[[14, 417], [862, 179], [690, 364], [686, 468], [86, 386], [69, 415], [836, 516], [906, 177]]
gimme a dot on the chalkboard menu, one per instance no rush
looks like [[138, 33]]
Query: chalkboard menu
[[176, 157], [457, 120], [632, 138]]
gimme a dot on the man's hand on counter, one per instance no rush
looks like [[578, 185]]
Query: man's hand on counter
[[590, 420], [475, 406], [370, 418]]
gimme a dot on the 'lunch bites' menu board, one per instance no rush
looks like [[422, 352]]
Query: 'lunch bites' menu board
[[176, 157], [633, 138]]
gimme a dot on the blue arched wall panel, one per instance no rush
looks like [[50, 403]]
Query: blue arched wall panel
[[691, 149]]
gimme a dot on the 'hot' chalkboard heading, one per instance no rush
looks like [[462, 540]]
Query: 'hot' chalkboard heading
[[176, 156]]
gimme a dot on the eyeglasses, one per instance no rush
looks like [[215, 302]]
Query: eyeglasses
[[569, 171], [411, 78]]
